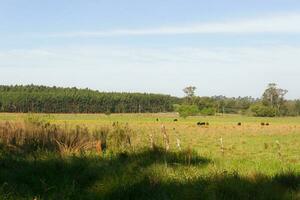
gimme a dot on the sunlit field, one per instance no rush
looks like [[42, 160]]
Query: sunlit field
[[228, 161]]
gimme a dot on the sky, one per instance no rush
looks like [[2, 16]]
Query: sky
[[223, 47]]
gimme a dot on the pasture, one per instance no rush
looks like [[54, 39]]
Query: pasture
[[222, 160]]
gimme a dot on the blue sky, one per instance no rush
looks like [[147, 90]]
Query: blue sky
[[227, 47]]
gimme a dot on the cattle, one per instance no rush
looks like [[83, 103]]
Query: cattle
[[175, 120], [239, 123], [262, 123], [157, 119], [201, 123], [267, 124]]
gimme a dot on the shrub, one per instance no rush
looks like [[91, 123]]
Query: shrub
[[207, 111], [187, 110], [263, 111]]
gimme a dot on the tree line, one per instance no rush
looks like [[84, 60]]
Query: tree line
[[42, 99], [271, 104]]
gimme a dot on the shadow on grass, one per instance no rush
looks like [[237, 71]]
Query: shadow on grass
[[125, 177], [218, 187], [48, 176]]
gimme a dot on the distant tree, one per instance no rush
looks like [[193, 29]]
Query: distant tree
[[289, 108], [274, 97], [190, 91], [190, 94]]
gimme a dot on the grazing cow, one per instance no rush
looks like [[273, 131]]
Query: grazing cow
[[175, 120], [157, 119], [267, 124], [201, 123], [262, 123], [239, 124]]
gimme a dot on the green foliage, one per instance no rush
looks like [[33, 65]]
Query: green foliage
[[119, 138], [273, 96], [297, 107], [222, 104], [208, 111], [42, 99], [187, 110], [260, 110]]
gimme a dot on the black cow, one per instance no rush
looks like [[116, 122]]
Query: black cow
[[239, 124], [201, 123], [175, 120]]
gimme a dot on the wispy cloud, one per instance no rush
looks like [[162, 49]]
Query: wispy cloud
[[288, 23], [213, 70], [262, 58]]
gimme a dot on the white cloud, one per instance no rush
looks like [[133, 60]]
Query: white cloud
[[288, 23], [229, 71]]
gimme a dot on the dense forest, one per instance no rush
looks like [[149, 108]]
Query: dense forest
[[43, 99]]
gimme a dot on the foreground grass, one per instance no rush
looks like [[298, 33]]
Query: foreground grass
[[253, 162], [143, 175]]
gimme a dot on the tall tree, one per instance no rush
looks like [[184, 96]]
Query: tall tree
[[274, 96], [190, 94]]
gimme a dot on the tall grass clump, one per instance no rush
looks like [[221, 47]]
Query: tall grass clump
[[35, 135], [119, 139]]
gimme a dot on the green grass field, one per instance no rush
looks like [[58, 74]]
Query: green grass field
[[251, 162]]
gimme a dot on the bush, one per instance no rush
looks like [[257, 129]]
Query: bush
[[187, 110], [263, 111], [208, 111]]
